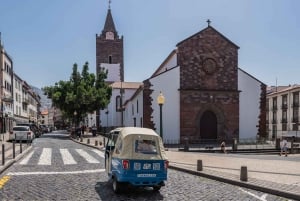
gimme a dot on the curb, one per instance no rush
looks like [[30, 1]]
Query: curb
[[89, 145], [277, 192], [12, 161]]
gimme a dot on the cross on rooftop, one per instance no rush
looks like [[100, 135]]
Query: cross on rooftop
[[208, 22]]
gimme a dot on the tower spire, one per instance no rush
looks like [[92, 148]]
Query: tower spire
[[109, 22]]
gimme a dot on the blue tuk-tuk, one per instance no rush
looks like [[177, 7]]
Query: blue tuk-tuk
[[136, 156]]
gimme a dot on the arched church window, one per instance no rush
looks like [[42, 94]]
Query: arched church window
[[118, 103]]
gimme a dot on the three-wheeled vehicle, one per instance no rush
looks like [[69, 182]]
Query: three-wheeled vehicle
[[136, 156]]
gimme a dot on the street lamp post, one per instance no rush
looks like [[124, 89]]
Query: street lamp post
[[75, 113], [160, 102], [106, 121]]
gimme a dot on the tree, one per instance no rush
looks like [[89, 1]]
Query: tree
[[83, 93]]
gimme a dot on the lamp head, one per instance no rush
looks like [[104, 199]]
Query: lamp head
[[160, 99]]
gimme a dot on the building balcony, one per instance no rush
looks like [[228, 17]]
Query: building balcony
[[295, 104], [25, 101], [284, 106], [295, 119], [284, 121], [7, 99]]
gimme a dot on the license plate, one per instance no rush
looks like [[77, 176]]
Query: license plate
[[137, 166], [147, 166], [146, 175]]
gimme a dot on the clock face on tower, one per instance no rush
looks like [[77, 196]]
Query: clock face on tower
[[110, 35]]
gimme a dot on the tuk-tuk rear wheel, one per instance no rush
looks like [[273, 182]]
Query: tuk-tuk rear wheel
[[116, 185]]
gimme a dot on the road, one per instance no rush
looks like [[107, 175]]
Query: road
[[60, 169]]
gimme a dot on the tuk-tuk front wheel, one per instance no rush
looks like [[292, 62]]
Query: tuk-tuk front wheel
[[156, 188], [117, 186]]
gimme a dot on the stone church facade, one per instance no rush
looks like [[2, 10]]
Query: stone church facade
[[208, 97]]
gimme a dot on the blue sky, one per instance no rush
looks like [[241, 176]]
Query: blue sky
[[45, 38]]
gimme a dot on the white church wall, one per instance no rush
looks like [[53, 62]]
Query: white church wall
[[113, 74], [168, 84], [134, 110], [249, 105], [172, 62], [110, 117]]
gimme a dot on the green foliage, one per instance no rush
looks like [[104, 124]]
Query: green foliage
[[83, 93]]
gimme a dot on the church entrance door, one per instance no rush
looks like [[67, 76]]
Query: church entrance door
[[208, 126]]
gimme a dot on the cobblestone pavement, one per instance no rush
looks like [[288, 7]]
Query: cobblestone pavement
[[44, 173]]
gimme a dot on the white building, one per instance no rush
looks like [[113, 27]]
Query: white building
[[283, 111], [6, 91]]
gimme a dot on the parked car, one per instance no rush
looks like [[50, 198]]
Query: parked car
[[36, 130], [21, 133], [44, 128], [136, 156]]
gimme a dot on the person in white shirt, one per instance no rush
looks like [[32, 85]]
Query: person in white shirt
[[283, 147]]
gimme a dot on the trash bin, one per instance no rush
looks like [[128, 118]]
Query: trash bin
[[186, 144], [277, 143]]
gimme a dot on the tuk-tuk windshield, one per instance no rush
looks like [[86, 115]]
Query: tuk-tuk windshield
[[112, 140], [145, 146]]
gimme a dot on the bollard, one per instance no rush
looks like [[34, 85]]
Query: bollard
[[199, 165], [96, 143], [234, 144], [244, 174], [3, 154], [81, 139], [20, 146], [14, 149], [88, 141]]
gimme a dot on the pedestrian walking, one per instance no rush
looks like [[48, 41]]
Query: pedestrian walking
[[283, 147], [82, 129], [223, 147], [94, 130]]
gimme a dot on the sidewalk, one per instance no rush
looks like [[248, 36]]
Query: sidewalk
[[20, 151], [279, 177]]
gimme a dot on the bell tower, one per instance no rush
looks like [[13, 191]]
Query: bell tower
[[109, 50]]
